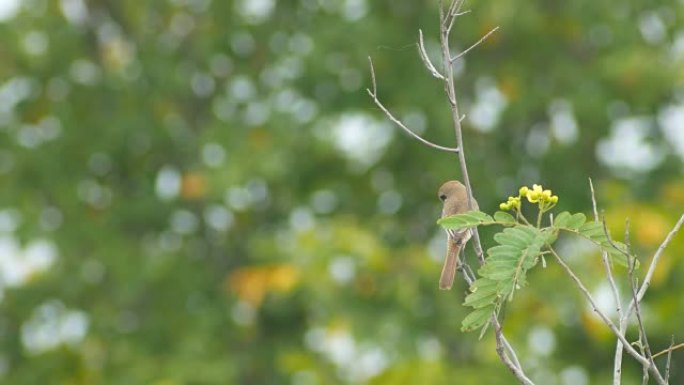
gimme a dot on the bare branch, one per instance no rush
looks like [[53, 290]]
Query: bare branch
[[453, 13], [656, 258], [425, 58], [617, 362], [483, 38], [374, 95], [643, 338], [604, 256], [670, 349], [501, 344], [669, 359], [642, 360]]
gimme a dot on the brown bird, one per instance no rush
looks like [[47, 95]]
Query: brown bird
[[455, 197]]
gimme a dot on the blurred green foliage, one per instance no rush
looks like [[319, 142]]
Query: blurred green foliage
[[201, 192]]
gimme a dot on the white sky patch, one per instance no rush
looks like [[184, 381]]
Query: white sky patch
[[218, 217], [354, 10], [14, 91], [652, 27], [677, 48], [489, 103], [357, 362], [302, 219], [604, 300], [563, 123], [255, 11], [541, 341], [8, 9], [213, 154], [574, 375], [389, 202], [324, 201], [360, 138], [671, 120], [18, 265], [627, 149], [342, 269], [74, 11], [429, 348], [9, 220], [168, 183], [538, 141], [35, 43], [184, 222], [52, 325]]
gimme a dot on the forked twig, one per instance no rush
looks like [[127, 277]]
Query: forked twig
[[596, 309], [503, 347], [424, 57], [482, 39], [374, 95], [656, 258], [670, 349], [643, 360]]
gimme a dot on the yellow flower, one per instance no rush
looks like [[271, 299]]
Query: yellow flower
[[504, 207], [546, 195], [523, 190], [534, 194], [554, 199], [514, 202]]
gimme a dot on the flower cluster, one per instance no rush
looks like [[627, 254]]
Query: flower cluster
[[512, 203], [536, 194]]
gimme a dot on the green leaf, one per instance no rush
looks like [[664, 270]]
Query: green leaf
[[592, 230], [465, 220], [483, 293], [477, 318], [595, 232], [517, 239], [576, 220], [561, 219], [504, 218], [505, 270]]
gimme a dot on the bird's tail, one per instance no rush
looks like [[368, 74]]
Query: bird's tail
[[446, 280]]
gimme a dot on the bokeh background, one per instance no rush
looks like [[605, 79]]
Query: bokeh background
[[201, 192]]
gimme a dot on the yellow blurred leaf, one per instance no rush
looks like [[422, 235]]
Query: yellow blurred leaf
[[673, 193], [252, 283], [594, 326], [283, 278], [193, 186]]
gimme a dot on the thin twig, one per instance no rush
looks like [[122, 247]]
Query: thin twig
[[425, 58], [501, 344], [669, 359], [482, 39], [609, 270], [643, 338], [374, 95], [617, 362], [656, 258], [670, 349], [627, 346], [456, 120], [595, 308], [644, 368], [503, 348]]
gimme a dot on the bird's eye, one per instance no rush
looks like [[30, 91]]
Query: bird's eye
[[442, 197]]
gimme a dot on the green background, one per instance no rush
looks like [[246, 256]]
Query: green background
[[202, 192]]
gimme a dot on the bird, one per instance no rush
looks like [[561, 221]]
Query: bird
[[454, 196]]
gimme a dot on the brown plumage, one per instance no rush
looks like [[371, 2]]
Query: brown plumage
[[455, 197]]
